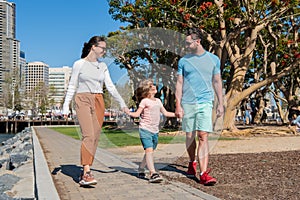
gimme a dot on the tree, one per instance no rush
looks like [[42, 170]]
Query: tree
[[52, 93], [250, 37], [12, 94]]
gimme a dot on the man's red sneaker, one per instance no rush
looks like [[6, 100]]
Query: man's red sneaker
[[192, 168], [205, 179]]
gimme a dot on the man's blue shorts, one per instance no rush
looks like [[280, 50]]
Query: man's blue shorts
[[197, 117], [148, 139]]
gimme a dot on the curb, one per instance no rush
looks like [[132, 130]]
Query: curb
[[44, 185]]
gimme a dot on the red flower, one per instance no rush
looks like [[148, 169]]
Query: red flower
[[187, 16], [184, 25], [208, 4], [205, 15], [151, 8], [173, 1], [286, 56], [202, 7], [180, 10]]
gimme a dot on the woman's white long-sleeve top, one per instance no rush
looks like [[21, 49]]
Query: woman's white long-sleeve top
[[89, 77]]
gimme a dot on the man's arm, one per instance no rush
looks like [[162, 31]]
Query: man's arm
[[178, 95], [217, 84]]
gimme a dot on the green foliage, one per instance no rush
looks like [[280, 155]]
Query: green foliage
[[247, 36], [240, 18]]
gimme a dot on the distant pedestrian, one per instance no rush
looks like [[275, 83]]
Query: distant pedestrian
[[198, 77], [149, 110], [87, 79], [248, 111], [296, 122]]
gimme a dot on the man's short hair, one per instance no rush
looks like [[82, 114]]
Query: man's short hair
[[195, 33]]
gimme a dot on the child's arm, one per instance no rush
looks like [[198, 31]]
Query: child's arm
[[136, 113], [166, 113]]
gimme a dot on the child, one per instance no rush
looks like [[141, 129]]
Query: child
[[149, 110]]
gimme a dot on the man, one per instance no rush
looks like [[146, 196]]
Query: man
[[198, 77]]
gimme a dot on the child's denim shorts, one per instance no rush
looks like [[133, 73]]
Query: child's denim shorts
[[148, 139]]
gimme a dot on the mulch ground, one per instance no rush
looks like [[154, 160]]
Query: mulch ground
[[274, 175]]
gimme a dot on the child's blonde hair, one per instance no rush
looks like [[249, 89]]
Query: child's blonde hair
[[143, 90]]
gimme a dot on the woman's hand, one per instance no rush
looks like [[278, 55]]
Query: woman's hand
[[126, 110]]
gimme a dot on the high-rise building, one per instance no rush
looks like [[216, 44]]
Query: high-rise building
[[58, 83], [9, 50], [22, 71], [36, 80]]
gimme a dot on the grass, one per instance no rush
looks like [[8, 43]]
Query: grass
[[120, 138], [115, 137]]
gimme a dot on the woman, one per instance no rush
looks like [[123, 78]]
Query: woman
[[88, 76]]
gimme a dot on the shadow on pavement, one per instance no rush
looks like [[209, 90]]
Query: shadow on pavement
[[74, 171], [130, 171], [174, 168]]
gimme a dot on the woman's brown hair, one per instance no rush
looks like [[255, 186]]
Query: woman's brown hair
[[88, 45]]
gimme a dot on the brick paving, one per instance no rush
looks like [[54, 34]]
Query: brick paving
[[117, 178]]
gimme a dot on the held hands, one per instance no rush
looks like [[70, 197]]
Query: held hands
[[126, 110], [179, 112]]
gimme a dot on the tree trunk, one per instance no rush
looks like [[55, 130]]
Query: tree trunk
[[229, 118], [260, 111]]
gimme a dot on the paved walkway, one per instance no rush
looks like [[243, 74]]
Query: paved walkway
[[117, 178]]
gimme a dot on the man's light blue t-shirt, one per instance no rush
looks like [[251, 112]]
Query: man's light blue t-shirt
[[197, 72]]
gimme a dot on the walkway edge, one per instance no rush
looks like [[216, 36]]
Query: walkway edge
[[44, 185]]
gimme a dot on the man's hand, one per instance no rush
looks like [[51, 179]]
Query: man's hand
[[220, 110], [179, 112]]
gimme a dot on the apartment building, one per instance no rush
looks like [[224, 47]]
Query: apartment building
[[9, 51], [36, 80], [58, 83]]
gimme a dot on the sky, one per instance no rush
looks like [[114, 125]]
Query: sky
[[54, 31]]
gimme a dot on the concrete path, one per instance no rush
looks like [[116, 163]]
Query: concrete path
[[117, 177]]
